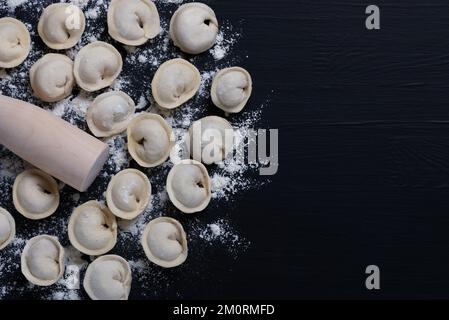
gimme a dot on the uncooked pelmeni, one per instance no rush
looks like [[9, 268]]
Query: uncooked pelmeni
[[194, 27], [150, 140], [110, 113], [15, 42], [108, 278], [211, 139], [133, 22], [7, 228], [35, 194], [42, 260], [175, 82], [128, 193], [97, 65], [52, 78], [61, 25], [164, 242], [231, 89], [92, 229], [188, 186]]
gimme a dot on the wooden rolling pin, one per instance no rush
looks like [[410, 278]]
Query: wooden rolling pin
[[50, 143]]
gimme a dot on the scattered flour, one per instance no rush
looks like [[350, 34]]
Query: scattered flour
[[12, 4], [92, 13], [140, 63], [79, 3], [170, 1], [224, 43], [221, 231]]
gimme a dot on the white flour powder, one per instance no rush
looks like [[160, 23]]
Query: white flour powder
[[227, 179]]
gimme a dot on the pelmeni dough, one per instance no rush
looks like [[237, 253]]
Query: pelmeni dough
[[61, 25], [211, 139], [150, 140], [164, 242], [188, 186], [175, 82], [35, 194], [42, 260], [128, 193], [52, 78], [194, 27], [133, 22], [110, 113], [108, 278], [97, 65], [231, 89], [92, 229], [7, 228], [15, 42]]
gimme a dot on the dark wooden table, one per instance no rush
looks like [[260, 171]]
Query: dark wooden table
[[364, 146], [364, 151]]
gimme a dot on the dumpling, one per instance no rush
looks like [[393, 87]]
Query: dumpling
[[110, 113], [15, 42], [188, 186], [61, 25], [133, 22], [108, 278], [93, 229], [150, 140], [52, 78], [128, 193], [211, 139], [97, 65], [42, 260], [35, 194], [175, 82], [7, 228], [231, 89], [164, 242], [194, 27]]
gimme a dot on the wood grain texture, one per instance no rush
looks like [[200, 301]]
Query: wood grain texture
[[363, 178]]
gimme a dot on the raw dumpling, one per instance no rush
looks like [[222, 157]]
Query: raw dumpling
[[150, 140], [211, 139], [61, 25], [231, 89], [42, 260], [133, 22], [108, 278], [194, 28], [164, 242], [93, 229], [110, 113], [7, 228], [128, 193], [35, 194], [15, 42], [175, 82], [97, 65], [52, 78], [188, 186]]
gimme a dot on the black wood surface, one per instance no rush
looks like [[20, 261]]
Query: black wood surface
[[364, 151]]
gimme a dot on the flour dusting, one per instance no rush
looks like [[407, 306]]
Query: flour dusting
[[205, 231], [12, 4]]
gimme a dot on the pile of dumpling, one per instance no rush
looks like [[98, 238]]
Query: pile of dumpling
[[92, 227]]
